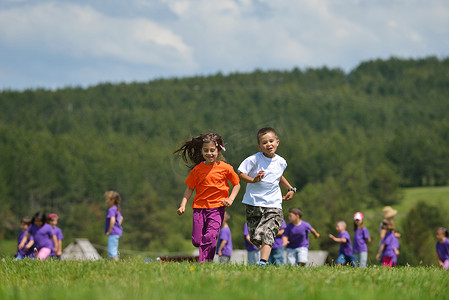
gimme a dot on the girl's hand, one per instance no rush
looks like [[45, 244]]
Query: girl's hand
[[378, 256], [21, 245], [220, 253], [441, 263], [259, 176], [396, 251], [227, 202], [181, 210], [317, 236], [285, 243], [288, 196], [107, 233]]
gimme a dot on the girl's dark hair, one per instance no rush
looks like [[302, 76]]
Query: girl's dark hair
[[191, 149], [39, 215], [114, 196], [443, 230], [388, 224]]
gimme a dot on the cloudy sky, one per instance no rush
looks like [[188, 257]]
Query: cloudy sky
[[54, 44]]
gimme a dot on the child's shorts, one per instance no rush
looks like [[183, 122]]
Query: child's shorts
[[343, 259], [297, 255], [263, 224]]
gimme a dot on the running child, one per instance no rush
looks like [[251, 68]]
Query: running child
[[209, 175], [296, 237], [253, 253], [345, 253], [442, 247], [388, 246], [361, 239], [44, 237], [224, 241], [263, 197], [27, 250], [52, 219], [113, 226]]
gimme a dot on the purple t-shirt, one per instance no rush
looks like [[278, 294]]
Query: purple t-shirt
[[360, 237], [443, 249], [225, 234], [390, 244], [396, 246], [345, 248], [22, 252], [249, 246], [117, 228], [298, 235], [42, 236], [58, 233], [278, 239]]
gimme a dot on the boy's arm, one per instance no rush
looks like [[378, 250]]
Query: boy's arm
[[338, 240], [281, 232], [284, 182], [285, 240], [235, 190], [187, 194], [315, 233], [23, 241], [246, 178], [223, 243]]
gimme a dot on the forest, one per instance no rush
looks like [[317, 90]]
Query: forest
[[351, 141]]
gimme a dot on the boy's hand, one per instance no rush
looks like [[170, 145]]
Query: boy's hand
[[259, 176], [332, 236], [227, 202], [181, 210], [288, 196]]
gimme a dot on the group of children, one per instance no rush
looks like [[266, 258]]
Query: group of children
[[39, 238], [265, 231]]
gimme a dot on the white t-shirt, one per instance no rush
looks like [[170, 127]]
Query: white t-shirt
[[265, 193]]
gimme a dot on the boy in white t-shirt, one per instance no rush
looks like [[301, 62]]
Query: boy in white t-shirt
[[263, 197]]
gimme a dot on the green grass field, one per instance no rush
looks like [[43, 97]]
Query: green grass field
[[135, 279]]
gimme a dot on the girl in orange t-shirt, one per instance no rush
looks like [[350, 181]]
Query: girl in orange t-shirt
[[209, 175]]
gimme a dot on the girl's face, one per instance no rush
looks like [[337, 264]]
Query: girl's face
[[440, 236], [358, 222], [53, 222], [109, 202], [38, 222], [210, 153]]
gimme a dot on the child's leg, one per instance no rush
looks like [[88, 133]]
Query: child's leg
[[212, 225], [43, 253], [358, 259], [113, 246], [363, 259], [303, 255], [253, 257], [387, 261], [198, 225], [291, 256]]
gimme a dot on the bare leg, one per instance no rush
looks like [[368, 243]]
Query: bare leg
[[265, 251]]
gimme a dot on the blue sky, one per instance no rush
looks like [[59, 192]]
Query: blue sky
[[54, 44]]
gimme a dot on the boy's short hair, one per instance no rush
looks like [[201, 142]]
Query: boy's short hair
[[296, 211], [341, 222], [26, 220], [264, 131]]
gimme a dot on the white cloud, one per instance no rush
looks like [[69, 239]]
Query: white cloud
[[83, 32]]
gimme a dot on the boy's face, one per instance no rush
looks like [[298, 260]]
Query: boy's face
[[440, 236], [53, 222], [210, 153], [292, 217], [268, 143], [340, 227], [24, 227]]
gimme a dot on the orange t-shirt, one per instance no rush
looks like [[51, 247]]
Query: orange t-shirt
[[211, 183]]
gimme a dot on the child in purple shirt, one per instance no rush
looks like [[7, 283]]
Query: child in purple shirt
[[345, 253], [52, 219], [253, 251], [26, 251], [361, 239], [224, 241], [113, 227], [44, 237], [277, 250], [296, 237], [388, 246], [442, 247]]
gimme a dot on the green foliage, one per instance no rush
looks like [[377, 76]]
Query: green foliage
[[350, 141], [138, 280]]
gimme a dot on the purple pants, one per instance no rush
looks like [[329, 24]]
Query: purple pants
[[206, 227]]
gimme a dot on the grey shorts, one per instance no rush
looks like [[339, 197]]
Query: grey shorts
[[263, 224]]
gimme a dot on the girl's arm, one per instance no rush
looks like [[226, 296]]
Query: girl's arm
[[55, 241], [187, 194], [381, 249], [111, 225], [246, 178], [368, 240], [249, 240], [59, 249], [285, 184], [316, 234], [382, 233], [235, 190], [24, 240], [285, 240], [29, 244], [223, 243], [120, 221], [281, 232], [440, 262]]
